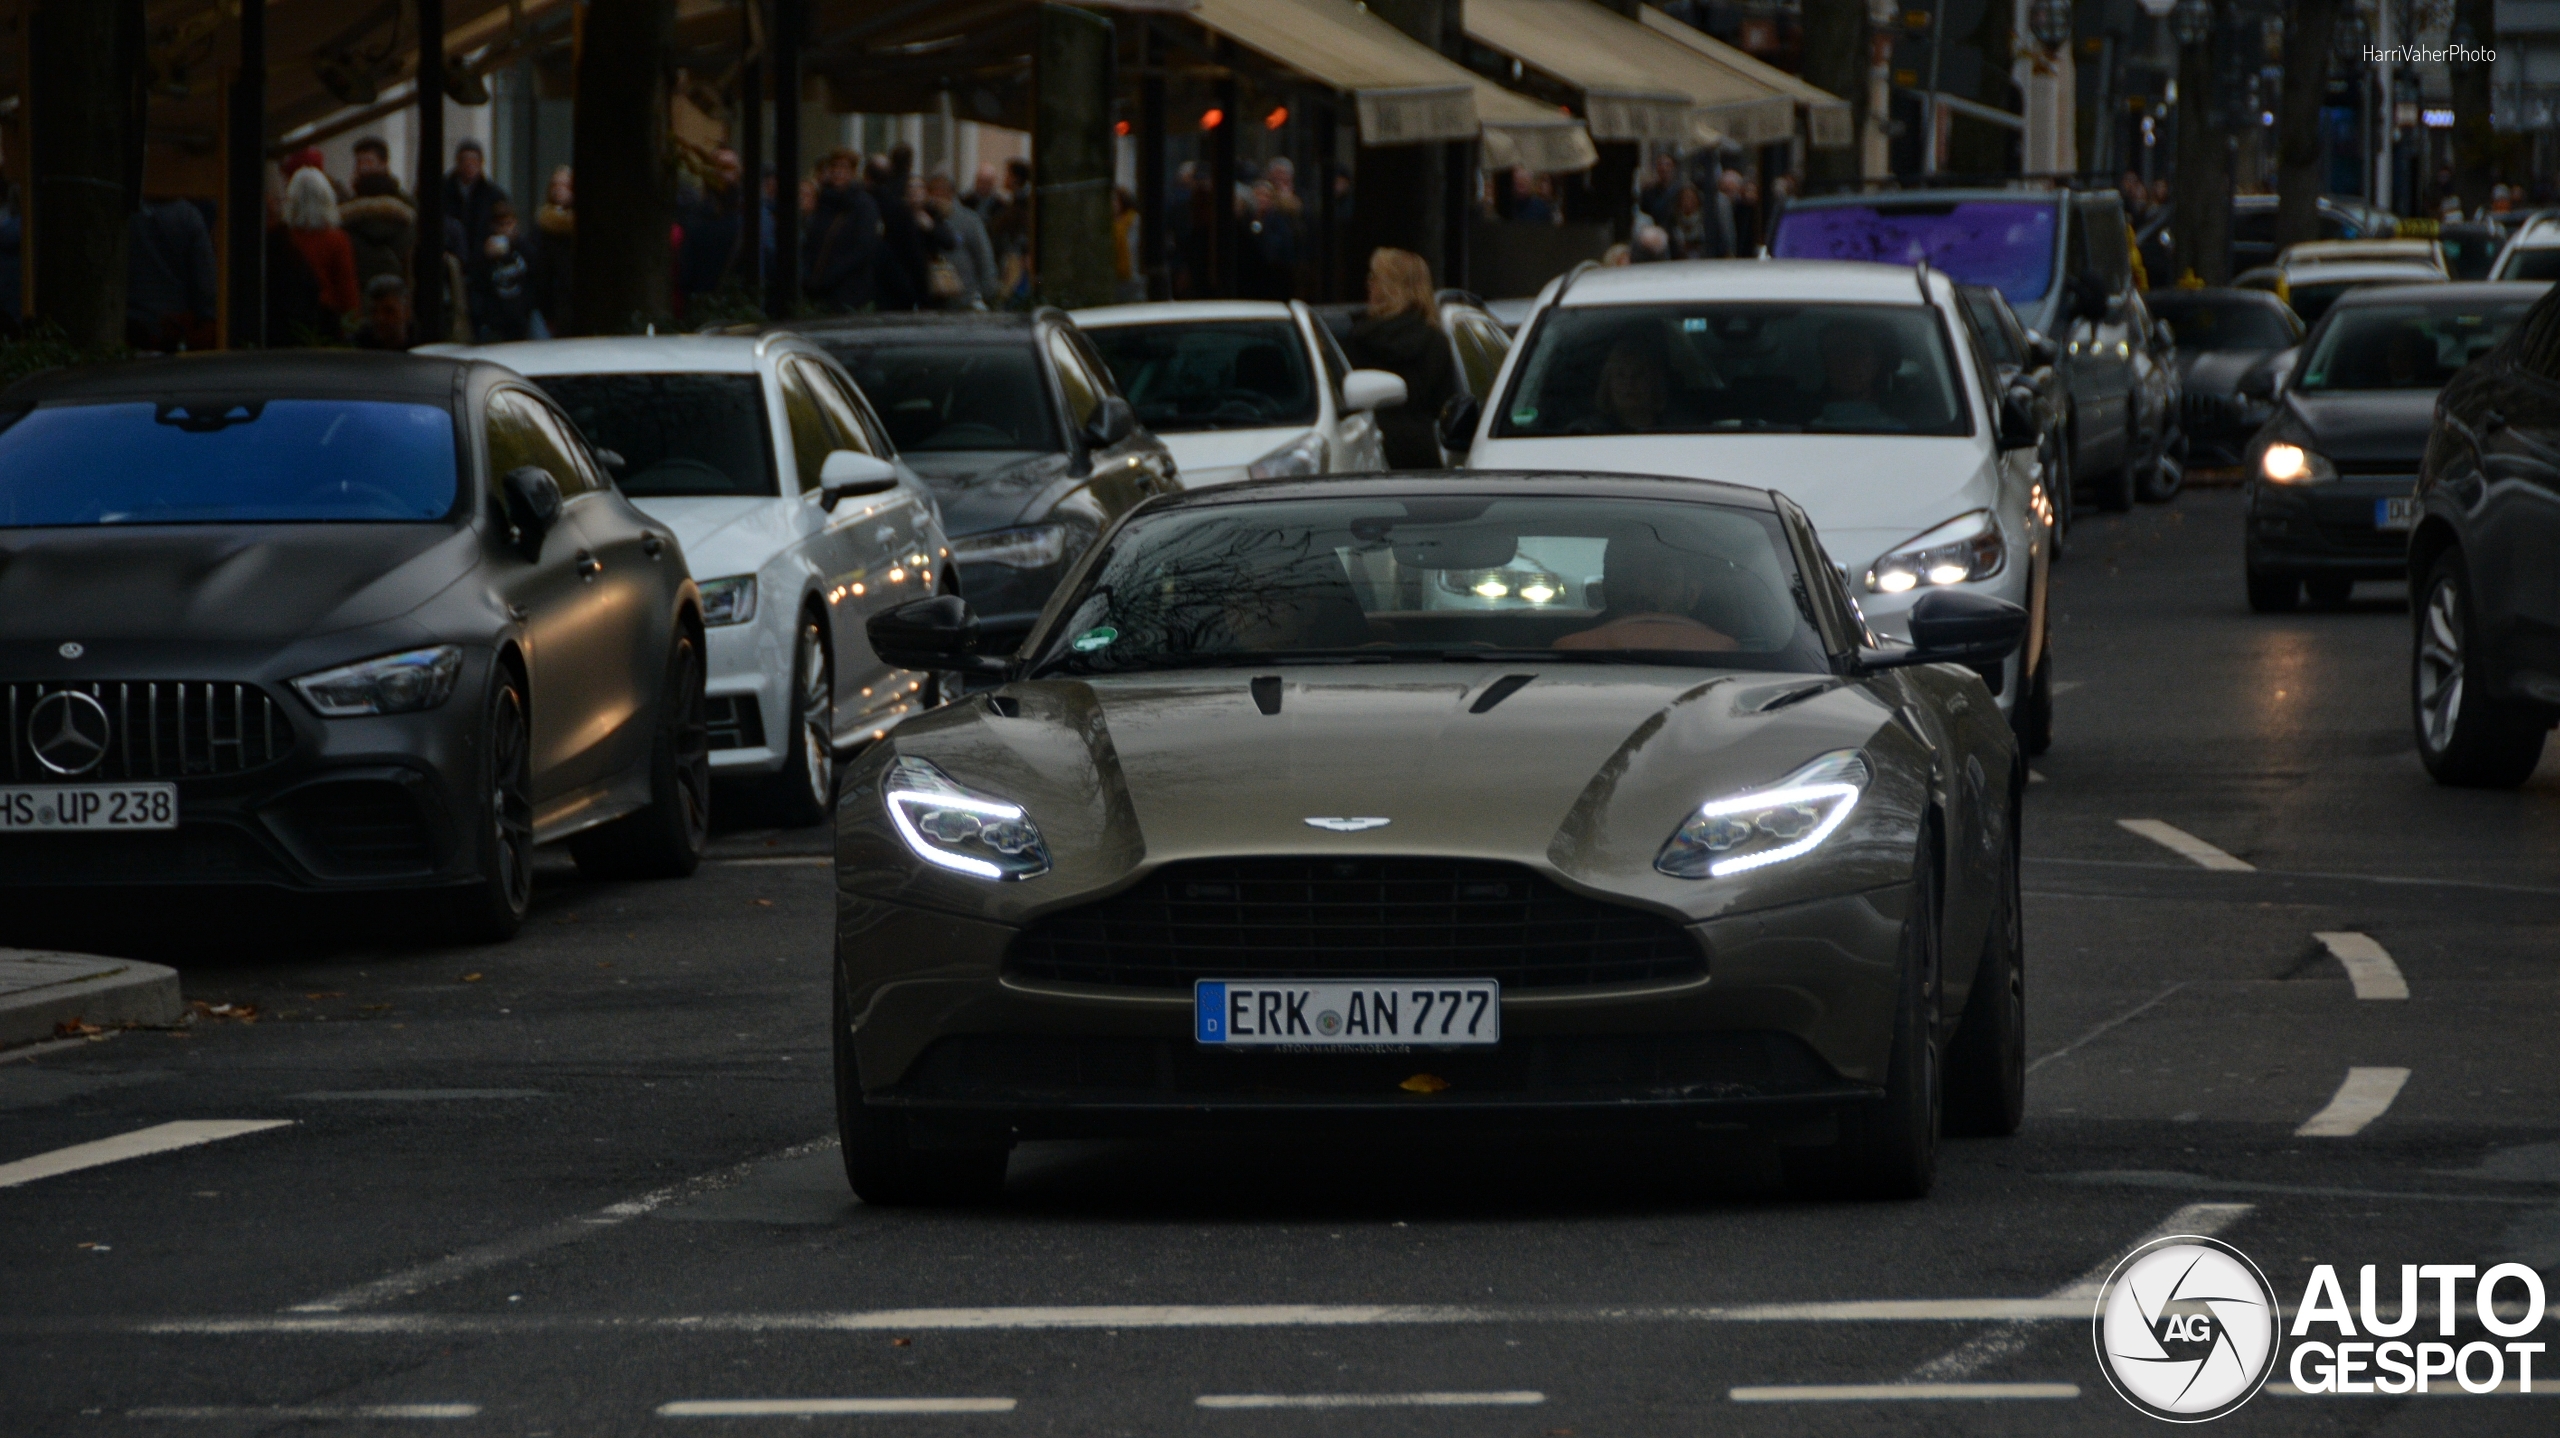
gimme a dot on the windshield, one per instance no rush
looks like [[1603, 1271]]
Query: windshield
[[955, 396], [1708, 368], [2312, 297], [1568, 579], [2222, 324], [1232, 374], [2406, 346], [2006, 244], [2541, 262], [678, 434], [226, 461]]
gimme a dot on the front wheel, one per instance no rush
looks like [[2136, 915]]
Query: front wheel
[[666, 839], [2465, 738], [493, 906], [1889, 1148], [805, 789], [881, 1160], [1987, 1062]]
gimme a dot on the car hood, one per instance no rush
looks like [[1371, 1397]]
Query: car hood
[[2218, 371], [2363, 424], [1198, 454], [1584, 773], [981, 489], [222, 584], [723, 535]]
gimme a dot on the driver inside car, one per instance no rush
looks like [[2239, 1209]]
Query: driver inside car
[[1856, 358], [1653, 591], [1633, 389]]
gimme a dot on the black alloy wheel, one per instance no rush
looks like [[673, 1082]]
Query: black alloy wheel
[[666, 839], [1888, 1149], [805, 790], [493, 907], [2466, 738], [881, 1161], [1987, 1062]]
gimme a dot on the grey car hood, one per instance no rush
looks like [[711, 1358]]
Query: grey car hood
[[222, 583], [2363, 424], [980, 490]]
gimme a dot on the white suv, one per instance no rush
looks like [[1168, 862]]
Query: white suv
[[1244, 389], [1855, 389], [2533, 254]]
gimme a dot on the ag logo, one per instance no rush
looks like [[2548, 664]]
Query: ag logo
[[2186, 1329]]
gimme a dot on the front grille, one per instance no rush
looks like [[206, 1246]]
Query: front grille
[[1352, 918], [156, 729], [2378, 468], [735, 721]]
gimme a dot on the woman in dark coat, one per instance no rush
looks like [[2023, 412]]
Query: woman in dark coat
[[1401, 334]]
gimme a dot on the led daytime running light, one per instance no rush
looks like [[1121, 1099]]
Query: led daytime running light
[[924, 848], [1843, 798]]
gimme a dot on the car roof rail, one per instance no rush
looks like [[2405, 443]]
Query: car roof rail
[[1920, 275], [1570, 276]]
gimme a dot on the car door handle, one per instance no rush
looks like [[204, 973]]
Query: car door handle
[[588, 565], [652, 546]]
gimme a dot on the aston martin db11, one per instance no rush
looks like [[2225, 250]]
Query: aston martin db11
[[1420, 801]]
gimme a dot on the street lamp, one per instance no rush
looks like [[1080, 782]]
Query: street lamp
[[2192, 21]]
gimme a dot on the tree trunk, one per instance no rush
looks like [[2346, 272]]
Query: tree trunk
[[1978, 147], [2308, 26], [1835, 58], [86, 123], [2475, 25], [1071, 157], [2202, 221], [625, 166]]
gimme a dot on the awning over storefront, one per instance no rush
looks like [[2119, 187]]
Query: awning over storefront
[[1406, 92], [1826, 114], [1636, 83]]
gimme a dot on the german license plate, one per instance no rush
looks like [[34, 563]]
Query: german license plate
[[2395, 513], [89, 806], [1352, 1014]]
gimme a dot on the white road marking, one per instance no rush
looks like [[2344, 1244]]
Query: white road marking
[[322, 1414], [2370, 969], [2186, 846], [2065, 686], [2035, 777], [2197, 1219], [1900, 1392], [159, 1138], [2365, 1096], [1517, 1398], [2132, 1013], [822, 1407]]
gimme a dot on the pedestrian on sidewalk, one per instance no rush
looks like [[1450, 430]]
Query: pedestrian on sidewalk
[[1400, 333], [311, 212], [971, 253], [170, 295], [843, 240], [381, 224], [554, 245], [469, 194]]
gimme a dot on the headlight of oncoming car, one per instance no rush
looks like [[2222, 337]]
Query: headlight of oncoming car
[[2294, 464], [1964, 548], [1770, 825], [1035, 546], [401, 683], [1303, 455], [728, 601], [954, 828]]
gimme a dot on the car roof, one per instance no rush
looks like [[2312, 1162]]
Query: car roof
[[627, 354], [335, 373], [2464, 292], [2538, 232], [961, 326], [1916, 199], [1396, 484], [2362, 272], [1169, 312], [1835, 281]]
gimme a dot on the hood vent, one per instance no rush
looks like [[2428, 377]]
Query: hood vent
[[1266, 693], [1499, 690]]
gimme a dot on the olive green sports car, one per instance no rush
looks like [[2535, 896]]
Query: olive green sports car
[[1409, 802]]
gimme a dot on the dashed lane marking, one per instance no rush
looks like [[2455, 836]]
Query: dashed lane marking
[[1516, 1398], [307, 1414], [2035, 776], [2365, 1096], [2186, 846], [159, 1138], [825, 1407], [1901, 1392], [2370, 969]]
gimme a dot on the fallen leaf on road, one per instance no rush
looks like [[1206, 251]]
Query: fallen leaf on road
[[763, 903], [471, 978], [238, 1012], [1424, 1083], [96, 1247], [73, 1028], [894, 1342], [334, 994]]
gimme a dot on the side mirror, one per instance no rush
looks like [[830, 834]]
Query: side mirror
[[2041, 350], [1955, 626], [2019, 427], [612, 460], [935, 633], [1111, 423], [849, 473], [1458, 421], [1372, 389], [533, 505]]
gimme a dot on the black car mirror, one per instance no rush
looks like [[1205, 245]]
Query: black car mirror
[[2088, 298], [935, 633], [533, 505], [1955, 626], [2041, 350], [1458, 420], [2019, 427], [849, 473], [1113, 421]]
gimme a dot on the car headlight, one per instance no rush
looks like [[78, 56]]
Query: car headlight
[[1967, 547], [728, 601], [1303, 455], [2293, 464], [401, 683], [1035, 546], [953, 828], [1770, 825]]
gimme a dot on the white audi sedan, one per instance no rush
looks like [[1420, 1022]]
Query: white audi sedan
[[1855, 389], [797, 518], [1244, 389]]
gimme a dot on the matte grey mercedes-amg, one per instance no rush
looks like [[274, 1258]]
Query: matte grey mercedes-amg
[[1399, 804]]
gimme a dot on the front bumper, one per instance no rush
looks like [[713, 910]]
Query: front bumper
[[747, 693], [2328, 529], [1791, 1022]]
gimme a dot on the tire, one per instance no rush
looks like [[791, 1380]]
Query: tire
[[2466, 739], [1987, 1061], [804, 792], [492, 907], [885, 1169], [666, 839], [1889, 1149], [2274, 593], [2329, 591], [2031, 719]]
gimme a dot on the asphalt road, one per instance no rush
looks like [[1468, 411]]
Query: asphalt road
[[559, 1186]]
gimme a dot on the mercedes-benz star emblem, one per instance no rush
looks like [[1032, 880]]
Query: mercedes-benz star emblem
[[1348, 826], [71, 649], [68, 731]]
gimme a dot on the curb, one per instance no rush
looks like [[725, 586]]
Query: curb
[[41, 989]]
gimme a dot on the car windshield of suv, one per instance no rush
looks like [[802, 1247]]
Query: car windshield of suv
[[2006, 244], [2404, 346], [1230, 374], [1576, 579], [955, 396], [226, 461], [2222, 324], [1716, 368], [678, 434]]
